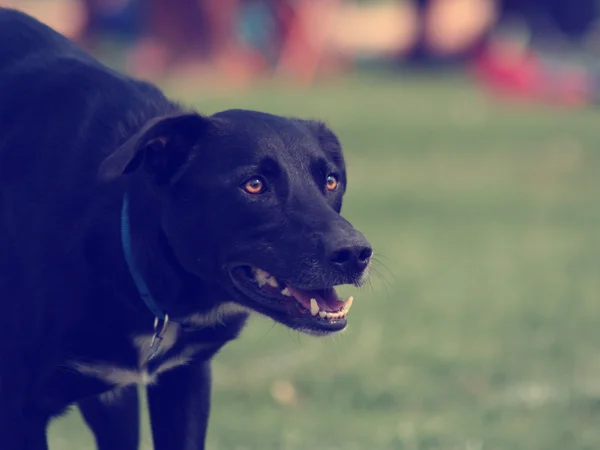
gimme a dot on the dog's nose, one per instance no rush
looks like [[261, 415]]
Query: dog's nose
[[352, 257]]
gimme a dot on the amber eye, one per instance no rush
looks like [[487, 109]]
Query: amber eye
[[332, 182], [254, 186]]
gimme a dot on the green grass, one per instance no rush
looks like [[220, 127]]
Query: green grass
[[487, 217]]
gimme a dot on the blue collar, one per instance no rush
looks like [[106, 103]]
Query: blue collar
[[138, 279]]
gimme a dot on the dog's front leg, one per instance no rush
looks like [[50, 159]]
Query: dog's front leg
[[21, 433], [179, 407], [114, 421]]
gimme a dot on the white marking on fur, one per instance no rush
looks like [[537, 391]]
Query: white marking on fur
[[110, 396], [143, 341], [216, 315], [121, 377], [115, 376], [181, 359]]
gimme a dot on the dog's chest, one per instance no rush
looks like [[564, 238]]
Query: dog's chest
[[170, 354], [176, 348]]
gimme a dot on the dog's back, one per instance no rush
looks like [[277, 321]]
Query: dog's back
[[48, 87], [61, 113], [22, 37]]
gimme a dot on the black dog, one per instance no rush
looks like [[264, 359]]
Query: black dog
[[136, 236]]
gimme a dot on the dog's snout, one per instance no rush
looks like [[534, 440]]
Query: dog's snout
[[351, 256]]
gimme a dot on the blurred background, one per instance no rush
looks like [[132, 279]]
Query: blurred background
[[471, 133]]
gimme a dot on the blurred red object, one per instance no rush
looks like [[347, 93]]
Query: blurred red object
[[510, 71]]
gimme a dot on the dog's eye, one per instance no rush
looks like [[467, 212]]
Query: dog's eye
[[332, 182], [254, 186]]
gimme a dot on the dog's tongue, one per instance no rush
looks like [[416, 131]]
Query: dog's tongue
[[327, 299]]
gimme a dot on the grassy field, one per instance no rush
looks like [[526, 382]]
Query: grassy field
[[487, 217]]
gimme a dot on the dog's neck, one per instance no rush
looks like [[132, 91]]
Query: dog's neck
[[136, 275], [163, 285]]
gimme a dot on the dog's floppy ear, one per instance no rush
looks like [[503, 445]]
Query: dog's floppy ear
[[161, 147]]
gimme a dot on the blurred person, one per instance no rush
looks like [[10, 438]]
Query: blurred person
[[413, 32], [118, 17], [236, 39], [544, 50], [457, 29], [530, 48], [158, 35], [449, 30]]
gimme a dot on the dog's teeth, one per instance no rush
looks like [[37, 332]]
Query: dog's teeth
[[262, 277], [347, 304], [286, 292], [322, 314], [272, 281], [314, 307], [332, 315]]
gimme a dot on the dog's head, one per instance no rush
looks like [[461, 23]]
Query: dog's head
[[253, 201]]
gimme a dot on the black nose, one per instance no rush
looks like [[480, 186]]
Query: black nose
[[351, 257]]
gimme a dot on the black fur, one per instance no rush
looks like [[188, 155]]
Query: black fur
[[75, 138]]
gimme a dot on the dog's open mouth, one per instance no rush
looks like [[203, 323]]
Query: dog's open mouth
[[321, 305]]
